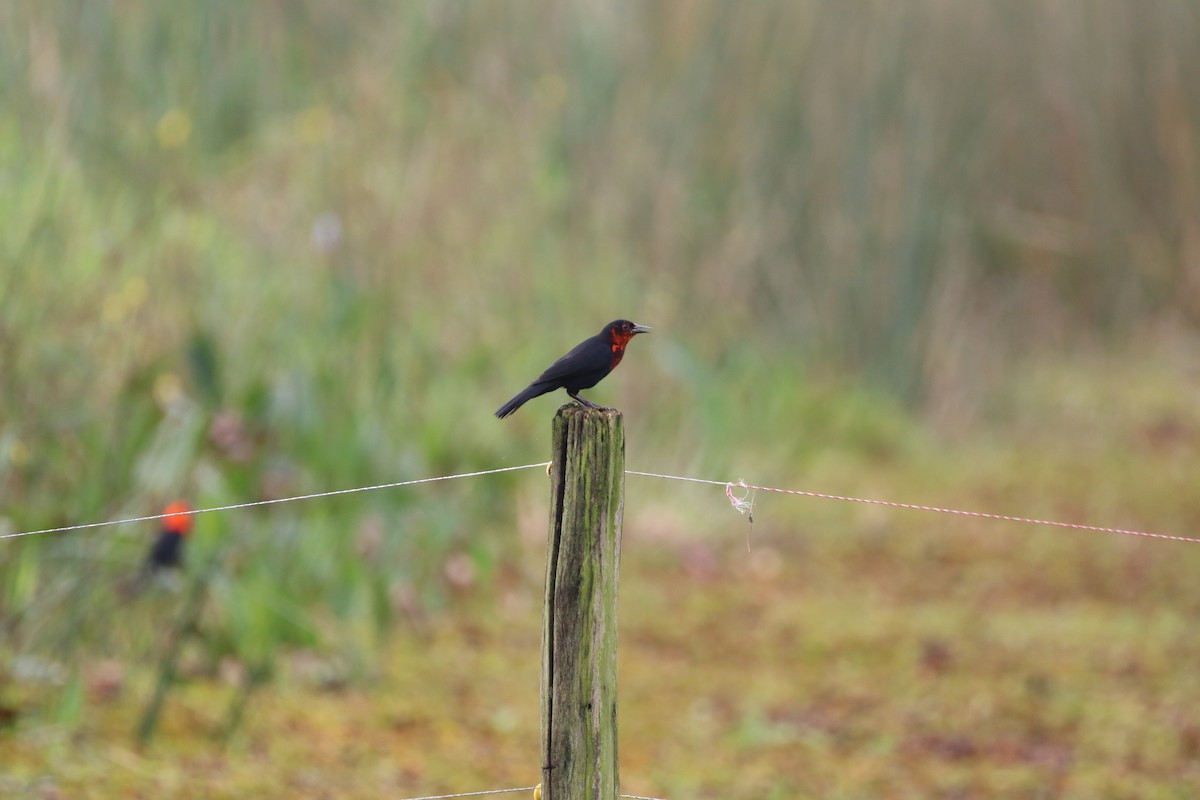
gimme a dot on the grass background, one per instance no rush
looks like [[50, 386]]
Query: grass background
[[928, 251]]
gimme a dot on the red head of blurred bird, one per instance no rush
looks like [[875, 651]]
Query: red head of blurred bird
[[582, 368]]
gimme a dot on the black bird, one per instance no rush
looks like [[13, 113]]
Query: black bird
[[167, 551], [165, 557], [582, 368]]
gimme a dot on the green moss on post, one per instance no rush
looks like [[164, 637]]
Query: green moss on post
[[579, 620]]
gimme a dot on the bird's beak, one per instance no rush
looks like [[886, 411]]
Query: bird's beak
[[640, 329]]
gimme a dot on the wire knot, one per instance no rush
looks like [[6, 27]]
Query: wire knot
[[743, 504]]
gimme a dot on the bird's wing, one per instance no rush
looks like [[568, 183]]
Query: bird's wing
[[586, 356]]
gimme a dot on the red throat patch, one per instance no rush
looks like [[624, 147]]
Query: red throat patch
[[619, 340]]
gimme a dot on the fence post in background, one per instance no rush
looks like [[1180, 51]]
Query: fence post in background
[[579, 619]]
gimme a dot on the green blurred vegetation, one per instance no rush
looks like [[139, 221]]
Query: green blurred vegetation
[[252, 250]]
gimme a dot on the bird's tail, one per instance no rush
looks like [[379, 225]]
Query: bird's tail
[[525, 395]]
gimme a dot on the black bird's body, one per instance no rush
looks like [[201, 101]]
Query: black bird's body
[[582, 368], [167, 551], [165, 556]]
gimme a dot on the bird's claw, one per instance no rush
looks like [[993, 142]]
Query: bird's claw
[[583, 401]]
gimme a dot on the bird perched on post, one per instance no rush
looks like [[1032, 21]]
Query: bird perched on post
[[582, 368]]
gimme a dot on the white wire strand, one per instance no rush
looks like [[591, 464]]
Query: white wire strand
[[473, 794], [739, 504], [193, 512]]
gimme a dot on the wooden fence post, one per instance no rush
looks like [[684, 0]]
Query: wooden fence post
[[579, 619]]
